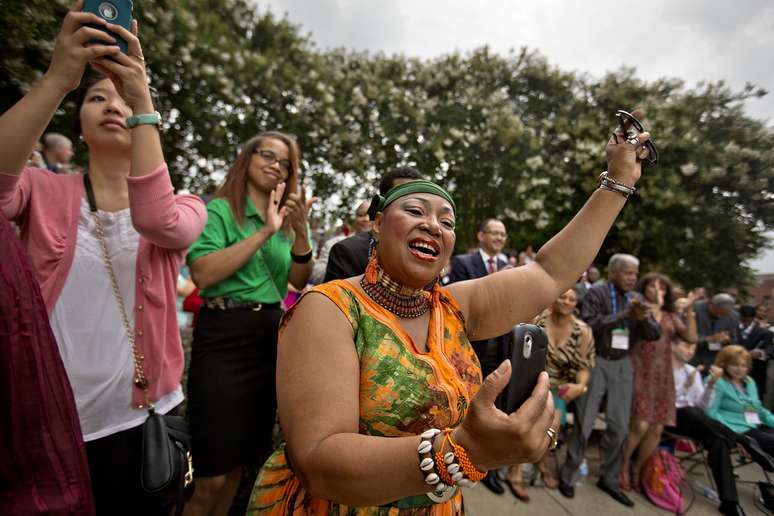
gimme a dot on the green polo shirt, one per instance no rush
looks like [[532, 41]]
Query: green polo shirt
[[251, 283]]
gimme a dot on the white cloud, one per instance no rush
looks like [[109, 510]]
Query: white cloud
[[691, 39]]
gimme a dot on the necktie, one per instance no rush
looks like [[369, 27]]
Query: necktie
[[492, 267]]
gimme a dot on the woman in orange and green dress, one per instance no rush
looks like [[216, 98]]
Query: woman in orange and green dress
[[371, 368]]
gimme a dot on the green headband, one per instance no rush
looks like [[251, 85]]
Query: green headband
[[380, 203]]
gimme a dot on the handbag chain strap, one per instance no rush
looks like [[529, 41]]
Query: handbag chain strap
[[140, 381]]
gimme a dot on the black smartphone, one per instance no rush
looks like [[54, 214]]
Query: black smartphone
[[117, 12], [528, 360]]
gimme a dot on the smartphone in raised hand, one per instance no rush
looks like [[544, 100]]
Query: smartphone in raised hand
[[117, 12], [528, 360]]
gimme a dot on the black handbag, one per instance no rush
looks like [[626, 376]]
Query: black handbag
[[166, 467]]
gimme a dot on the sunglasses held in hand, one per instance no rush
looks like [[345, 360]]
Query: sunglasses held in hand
[[631, 127]]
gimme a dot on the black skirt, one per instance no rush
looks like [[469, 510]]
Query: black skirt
[[232, 398]]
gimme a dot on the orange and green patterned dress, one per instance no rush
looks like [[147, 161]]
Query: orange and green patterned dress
[[403, 392]]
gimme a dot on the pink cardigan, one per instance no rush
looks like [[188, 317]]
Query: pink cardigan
[[47, 207]]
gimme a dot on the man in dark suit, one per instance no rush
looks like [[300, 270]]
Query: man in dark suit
[[486, 260], [758, 341], [349, 257]]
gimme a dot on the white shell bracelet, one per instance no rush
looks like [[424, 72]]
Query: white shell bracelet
[[439, 491]]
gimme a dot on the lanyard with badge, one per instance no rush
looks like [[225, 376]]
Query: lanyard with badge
[[620, 335], [750, 411]]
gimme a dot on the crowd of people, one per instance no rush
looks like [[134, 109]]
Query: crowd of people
[[386, 374]]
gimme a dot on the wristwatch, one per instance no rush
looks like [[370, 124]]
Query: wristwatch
[[145, 119]]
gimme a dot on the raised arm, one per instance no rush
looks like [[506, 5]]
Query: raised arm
[[492, 305], [168, 220], [687, 329], [320, 416], [23, 124]]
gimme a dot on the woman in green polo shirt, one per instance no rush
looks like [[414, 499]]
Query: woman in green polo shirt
[[255, 242]]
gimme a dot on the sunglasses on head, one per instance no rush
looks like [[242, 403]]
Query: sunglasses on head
[[631, 127]]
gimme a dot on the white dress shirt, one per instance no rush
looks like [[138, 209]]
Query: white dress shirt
[[694, 395]]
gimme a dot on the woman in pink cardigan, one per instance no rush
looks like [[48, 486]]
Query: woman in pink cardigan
[[125, 206]]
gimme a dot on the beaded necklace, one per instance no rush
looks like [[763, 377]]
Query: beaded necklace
[[389, 294]]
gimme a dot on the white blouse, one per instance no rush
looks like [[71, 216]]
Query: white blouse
[[694, 396], [90, 332]]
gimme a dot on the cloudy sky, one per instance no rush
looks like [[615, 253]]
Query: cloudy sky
[[696, 40]]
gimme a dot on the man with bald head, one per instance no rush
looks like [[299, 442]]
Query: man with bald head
[[717, 325], [57, 152]]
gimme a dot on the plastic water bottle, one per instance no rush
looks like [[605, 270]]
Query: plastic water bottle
[[706, 491], [584, 472]]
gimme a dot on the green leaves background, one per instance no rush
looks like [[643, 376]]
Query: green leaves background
[[510, 135]]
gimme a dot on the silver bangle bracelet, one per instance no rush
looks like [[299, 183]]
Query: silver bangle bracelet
[[605, 177], [613, 189], [608, 183]]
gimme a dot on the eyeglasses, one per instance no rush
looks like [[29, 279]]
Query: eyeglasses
[[496, 233], [631, 127], [272, 158]]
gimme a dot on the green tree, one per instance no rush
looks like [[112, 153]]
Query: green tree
[[512, 136]]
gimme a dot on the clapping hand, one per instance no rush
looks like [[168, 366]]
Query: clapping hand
[[298, 207], [275, 215], [715, 373], [721, 336], [692, 377], [637, 310], [660, 294]]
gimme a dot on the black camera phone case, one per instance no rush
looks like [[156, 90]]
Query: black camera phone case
[[528, 360]]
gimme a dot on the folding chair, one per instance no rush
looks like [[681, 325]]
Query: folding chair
[[695, 458]]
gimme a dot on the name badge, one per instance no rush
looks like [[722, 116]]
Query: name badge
[[751, 416], [620, 340], [714, 346]]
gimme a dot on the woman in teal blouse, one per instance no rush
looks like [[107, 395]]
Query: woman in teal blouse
[[256, 242], [736, 403]]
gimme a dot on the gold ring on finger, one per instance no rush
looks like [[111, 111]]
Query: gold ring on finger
[[553, 435], [140, 57]]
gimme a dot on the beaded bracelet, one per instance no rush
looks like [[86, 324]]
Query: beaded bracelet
[[462, 472], [440, 491]]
